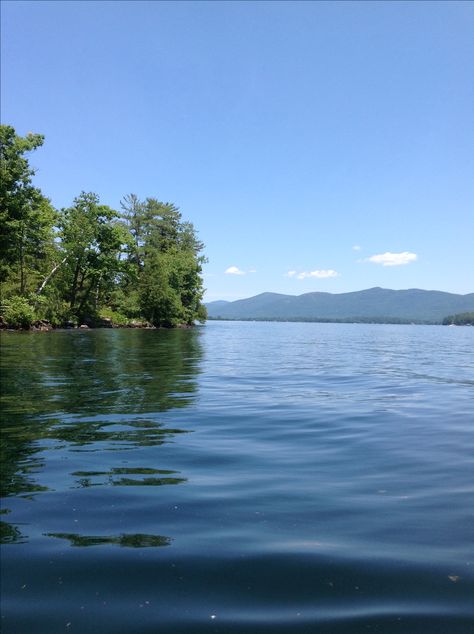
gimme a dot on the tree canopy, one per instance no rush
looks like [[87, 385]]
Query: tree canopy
[[459, 319], [89, 263]]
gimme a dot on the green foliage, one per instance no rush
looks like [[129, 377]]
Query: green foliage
[[126, 300], [26, 216], [159, 301], [460, 319], [116, 318], [56, 310], [201, 313], [167, 262], [18, 313], [92, 242], [88, 261]]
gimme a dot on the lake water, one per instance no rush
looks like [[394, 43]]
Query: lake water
[[239, 478]]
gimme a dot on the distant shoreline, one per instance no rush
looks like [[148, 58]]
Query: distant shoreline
[[327, 320], [362, 320]]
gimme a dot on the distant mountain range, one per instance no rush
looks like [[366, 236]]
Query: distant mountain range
[[373, 304]]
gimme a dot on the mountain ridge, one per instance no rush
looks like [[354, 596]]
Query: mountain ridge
[[413, 304]]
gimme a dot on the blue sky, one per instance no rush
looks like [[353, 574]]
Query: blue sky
[[315, 146]]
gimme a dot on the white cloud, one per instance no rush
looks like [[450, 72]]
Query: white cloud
[[290, 274], [356, 247], [234, 270], [319, 274], [393, 259]]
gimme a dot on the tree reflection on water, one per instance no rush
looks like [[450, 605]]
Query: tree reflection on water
[[132, 540], [92, 391]]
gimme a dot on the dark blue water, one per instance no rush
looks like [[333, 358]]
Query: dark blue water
[[239, 478]]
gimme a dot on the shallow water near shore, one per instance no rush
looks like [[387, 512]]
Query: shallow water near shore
[[239, 478]]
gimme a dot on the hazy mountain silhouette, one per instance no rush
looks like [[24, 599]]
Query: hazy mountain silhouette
[[379, 304]]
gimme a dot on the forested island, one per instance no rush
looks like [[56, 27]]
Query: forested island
[[460, 319], [89, 264]]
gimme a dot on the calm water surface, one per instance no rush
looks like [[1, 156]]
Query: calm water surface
[[239, 478]]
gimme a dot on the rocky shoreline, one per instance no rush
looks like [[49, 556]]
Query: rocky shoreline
[[42, 325]]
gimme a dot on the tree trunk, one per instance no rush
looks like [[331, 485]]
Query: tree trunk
[[49, 276], [96, 301], [22, 263], [74, 282]]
